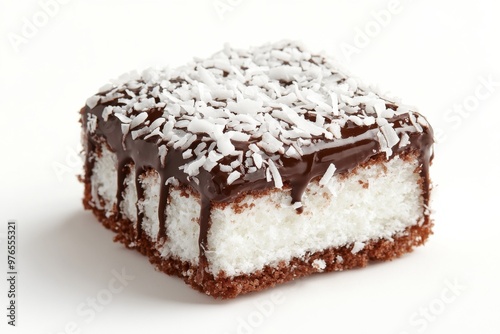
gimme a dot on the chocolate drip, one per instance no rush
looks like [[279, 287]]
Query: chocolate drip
[[358, 145], [162, 206], [120, 179], [426, 156], [206, 208], [140, 196]]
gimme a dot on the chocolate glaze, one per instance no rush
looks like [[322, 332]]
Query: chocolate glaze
[[358, 145]]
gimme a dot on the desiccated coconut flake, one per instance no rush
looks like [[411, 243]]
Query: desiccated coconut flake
[[93, 101], [254, 148], [292, 153], [320, 120], [403, 109], [245, 106], [233, 177], [173, 181], [145, 104], [281, 55], [287, 99], [155, 132], [203, 93], [334, 128], [106, 112], [388, 113], [125, 129], [335, 103], [207, 77], [319, 265], [302, 123], [162, 152], [225, 168], [298, 148], [157, 123], [252, 170], [138, 133], [414, 122], [195, 179], [269, 177], [369, 120], [105, 88], [197, 125], [257, 160], [193, 168], [379, 107], [358, 246], [191, 139], [353, 84], [214, 156], [356, 120], [224, 145], [199, 148], [422, 121], [209, 165], [139, 119], [384, 147], [328, 175], [381, 121], [390, 135], [235, 164], [239, 136], [405, 140], [278, 182], [285, 72], [317, 99], [110, 97], [269, 143], [91, 123]]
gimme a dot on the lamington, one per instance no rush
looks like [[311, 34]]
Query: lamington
[[255, 167]]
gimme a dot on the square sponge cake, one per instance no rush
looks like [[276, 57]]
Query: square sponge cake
[[256, 167]]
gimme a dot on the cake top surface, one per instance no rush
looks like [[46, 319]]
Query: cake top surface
[[247, 111]]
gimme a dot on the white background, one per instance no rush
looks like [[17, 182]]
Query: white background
[[434, 54]]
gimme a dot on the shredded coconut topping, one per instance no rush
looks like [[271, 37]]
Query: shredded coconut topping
[[278, 99], [328, 175], [358, 246]]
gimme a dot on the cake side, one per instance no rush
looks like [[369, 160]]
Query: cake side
[[377, 200], [178, 255]]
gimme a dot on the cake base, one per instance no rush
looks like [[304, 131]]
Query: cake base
[[335, 259]]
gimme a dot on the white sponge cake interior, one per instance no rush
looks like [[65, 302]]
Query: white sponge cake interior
[[376, 201]]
